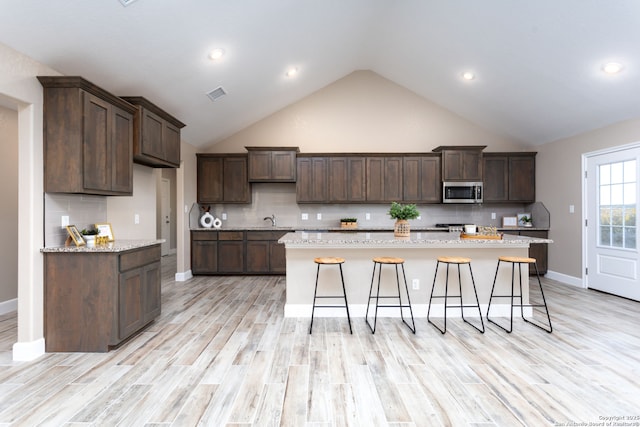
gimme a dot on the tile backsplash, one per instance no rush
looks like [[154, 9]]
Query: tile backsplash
[[83, 211], [280, 200]]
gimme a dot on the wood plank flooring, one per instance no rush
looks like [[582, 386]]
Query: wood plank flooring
[[222, 354]]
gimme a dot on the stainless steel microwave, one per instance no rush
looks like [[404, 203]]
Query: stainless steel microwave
[[461, 192]]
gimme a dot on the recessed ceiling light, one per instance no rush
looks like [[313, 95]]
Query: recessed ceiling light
[[216, 54], [291, 72], [468, 75], [612, 67]]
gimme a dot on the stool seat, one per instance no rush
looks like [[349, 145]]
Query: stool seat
[[388, 260], [525, 260], [328, 260], [454, 259], [447, 261]]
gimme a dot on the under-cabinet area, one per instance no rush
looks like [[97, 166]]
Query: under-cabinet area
[[95, 298]]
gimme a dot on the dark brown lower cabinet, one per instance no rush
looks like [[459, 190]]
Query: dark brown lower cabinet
[[539, 251], [237, 252], [96, 300]]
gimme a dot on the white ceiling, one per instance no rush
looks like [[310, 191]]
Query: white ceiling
[[538, 63]]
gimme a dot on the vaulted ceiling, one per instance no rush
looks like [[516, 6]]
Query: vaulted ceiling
[[537, 64]]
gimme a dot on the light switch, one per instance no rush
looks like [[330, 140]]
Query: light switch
[[367, 216], [136, 219], [64, 220], [572, 209], [305, 216]]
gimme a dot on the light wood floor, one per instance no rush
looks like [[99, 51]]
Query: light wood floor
[[223, 354]]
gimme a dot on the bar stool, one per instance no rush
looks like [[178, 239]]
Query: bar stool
[[518, 260], [329, 261], [448, 260], [378, 262]]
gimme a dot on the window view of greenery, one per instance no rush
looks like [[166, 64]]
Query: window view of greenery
[[618, 204]]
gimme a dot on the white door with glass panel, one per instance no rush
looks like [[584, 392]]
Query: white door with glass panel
[[613, 262]]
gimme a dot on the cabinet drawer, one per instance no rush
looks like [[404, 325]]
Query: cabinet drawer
[[265, 235], [204, 235], [139, 257], [231, 235]]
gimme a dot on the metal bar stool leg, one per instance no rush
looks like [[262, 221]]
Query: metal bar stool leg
[[544, 304], [346, 304], [315, 292], [412, 327]]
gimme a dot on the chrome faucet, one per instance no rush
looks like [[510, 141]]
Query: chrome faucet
[[272, 218]]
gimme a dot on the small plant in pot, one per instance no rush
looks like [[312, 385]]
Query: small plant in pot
[[348, 222], [402, 213], [89, 234]]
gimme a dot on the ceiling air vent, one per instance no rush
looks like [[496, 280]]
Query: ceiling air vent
[[216, 94], [126, 3]]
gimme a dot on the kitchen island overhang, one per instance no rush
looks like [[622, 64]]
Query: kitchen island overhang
[[419, 251]]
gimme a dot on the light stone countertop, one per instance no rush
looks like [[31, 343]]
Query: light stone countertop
[[388, 240], [115, 246]]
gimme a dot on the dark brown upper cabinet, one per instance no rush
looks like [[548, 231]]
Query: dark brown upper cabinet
[[422, 179], [510, 177], [461, 163], [312, 182], [347, 179], [156, 136], [384, 179], [222, 178], [88, 138], [272, 164]]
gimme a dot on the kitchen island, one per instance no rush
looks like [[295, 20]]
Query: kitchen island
[[419, 251]]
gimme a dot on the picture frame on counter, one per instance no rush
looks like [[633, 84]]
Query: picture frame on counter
[[74, 236], [509, 221], [105, 230], [524, 219]]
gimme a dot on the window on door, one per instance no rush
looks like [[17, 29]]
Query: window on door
[[617, 205]]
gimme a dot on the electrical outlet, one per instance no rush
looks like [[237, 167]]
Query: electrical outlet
[[64, 220], [416, 284], [224, 216], [367, 216], [318, 216], [305, 216], [419, 217], [572, 209], [136, 219], [493, 215]]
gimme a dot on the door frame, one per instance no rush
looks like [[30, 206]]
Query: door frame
[[585, 201]]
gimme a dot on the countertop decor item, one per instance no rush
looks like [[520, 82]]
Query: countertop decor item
[[349, 223], [74, 236], [525, 220], [402, 213], [105, 231]]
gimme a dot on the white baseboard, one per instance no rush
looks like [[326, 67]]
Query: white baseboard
[[184, 276], [26, 351], [8, 306], [565, 278], [419, 310]]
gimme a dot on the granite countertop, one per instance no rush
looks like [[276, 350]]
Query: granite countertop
[[116, 246], [416, 240], [317, 228]]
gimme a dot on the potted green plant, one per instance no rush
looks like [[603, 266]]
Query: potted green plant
[[402, 213], [348, 222], [89, 235]]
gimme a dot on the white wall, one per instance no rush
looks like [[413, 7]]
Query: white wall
[[364, 112], [559, 184], [18, 83], [8, 209]]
